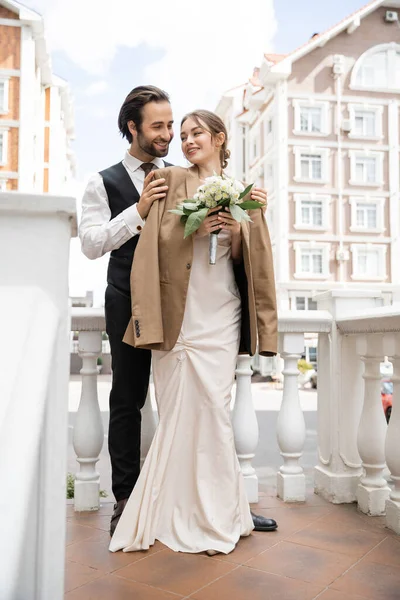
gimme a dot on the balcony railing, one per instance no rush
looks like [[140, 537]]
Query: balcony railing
[[355, 445]]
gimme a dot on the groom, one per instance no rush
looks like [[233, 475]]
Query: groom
[[114, 209]]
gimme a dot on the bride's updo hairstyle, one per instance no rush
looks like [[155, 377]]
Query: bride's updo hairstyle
[[214, 125]]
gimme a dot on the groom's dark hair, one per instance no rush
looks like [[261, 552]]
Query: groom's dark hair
[[131, 110]]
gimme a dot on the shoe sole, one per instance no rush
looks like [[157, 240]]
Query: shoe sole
[[265, 528]]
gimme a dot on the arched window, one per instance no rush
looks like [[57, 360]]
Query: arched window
[[378, 69]]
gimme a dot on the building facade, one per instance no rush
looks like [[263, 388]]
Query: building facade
[[36, 116], [320, 129]]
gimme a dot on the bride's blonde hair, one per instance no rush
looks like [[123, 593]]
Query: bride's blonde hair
[[214, 124]]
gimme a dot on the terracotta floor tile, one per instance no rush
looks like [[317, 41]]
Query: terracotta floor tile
[[77, 533], [338, 537], [116, 588], [95, 520], [248, 584], [249, 547], [176, 572], [97, 555], [377, 582], [294, 519], [302, 562], [334, 595], [387, 553], [77, 575], [350, 515]]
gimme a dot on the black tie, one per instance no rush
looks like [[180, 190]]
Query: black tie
[[147, 167]]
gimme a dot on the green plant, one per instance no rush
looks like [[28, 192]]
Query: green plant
[[99, 360], [71, 488], [304, 366]]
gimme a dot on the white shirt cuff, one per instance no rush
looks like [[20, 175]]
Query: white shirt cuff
[[133, 220]]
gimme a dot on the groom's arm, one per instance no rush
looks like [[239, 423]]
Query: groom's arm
[[97, 231]]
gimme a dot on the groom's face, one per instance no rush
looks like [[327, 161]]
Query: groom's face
[[155, 133]]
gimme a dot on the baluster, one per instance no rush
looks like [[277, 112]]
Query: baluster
[[373, 490], [392, 445], [291, 429], [88, 434], [149, 425], [245, 426]]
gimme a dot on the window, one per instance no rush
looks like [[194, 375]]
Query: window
[[311, 117], [369, 261], [378, 69], [366, 168], [311, 165], [367, 214], [312, 260], [312, 354], [254, 148], [3, 96], [3, 146], [366, 121], [269, 126], [311, 211], [305, 303]]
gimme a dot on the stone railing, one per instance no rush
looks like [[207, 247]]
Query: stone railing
[[347, 446], [35, 234]]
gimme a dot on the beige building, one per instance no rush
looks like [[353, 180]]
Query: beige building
[[36, 116], [319, 128]]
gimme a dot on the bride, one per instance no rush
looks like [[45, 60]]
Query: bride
[[196, 318]]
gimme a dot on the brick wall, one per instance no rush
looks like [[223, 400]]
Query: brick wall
[[10, 47]]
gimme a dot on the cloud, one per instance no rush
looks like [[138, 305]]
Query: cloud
[[96, 88]]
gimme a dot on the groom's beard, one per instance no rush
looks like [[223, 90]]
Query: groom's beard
[[150, 147]]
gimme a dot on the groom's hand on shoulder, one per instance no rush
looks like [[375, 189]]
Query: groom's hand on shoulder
[[153, 189]]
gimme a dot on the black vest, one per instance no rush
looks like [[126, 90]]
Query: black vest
[[121, 194]]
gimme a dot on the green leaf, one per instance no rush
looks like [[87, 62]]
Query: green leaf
[[194, 221], [189, 206], [238, 214], [191, 200], [176, 211], [246, 191], [184, 218], [250, 205]]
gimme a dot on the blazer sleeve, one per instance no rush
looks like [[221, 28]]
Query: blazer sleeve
[[145, 327], [264, 284]]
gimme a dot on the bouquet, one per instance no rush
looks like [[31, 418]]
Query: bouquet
[[218, 190]]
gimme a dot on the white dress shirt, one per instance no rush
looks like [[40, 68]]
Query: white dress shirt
[[97, 231]]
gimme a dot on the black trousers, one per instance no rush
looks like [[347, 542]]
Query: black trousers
[[130, 381]]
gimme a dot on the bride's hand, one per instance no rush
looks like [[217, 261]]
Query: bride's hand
[[228, 222], [259, 195], [210, 223]]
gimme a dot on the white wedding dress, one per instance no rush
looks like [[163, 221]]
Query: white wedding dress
[[190, 494]]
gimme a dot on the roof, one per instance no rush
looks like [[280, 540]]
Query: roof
[[24, 13], [351, 22]]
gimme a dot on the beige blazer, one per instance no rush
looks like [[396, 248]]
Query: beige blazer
[[161, 271]]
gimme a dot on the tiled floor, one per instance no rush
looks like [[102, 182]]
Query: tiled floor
[[319, 551]]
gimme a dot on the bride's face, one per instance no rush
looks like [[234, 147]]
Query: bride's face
[[198, 145]]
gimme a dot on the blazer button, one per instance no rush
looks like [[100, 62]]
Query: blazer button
[[136, 322], [188, 266]]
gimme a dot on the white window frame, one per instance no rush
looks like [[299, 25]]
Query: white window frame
[[4, 155], [300, 294], [310, 103], [325, 200], [355, 250], [391, 49], [299, 247], [299, 151], [378, 110], [354, 154], [254, 147], [380, 214], [6, 82]]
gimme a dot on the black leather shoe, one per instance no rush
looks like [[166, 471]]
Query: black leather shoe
[[118, 510], [263, 524]]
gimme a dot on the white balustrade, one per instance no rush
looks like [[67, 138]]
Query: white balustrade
[[373, 490], [291, 429], [392, 448], [245, 426], [88, 433]]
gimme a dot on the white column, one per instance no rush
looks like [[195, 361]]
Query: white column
[[392, 445], [149, 425], [373, 490], [88, 429], [291, 429], [245, 426]]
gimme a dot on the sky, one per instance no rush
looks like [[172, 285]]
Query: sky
[[195, 51]]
